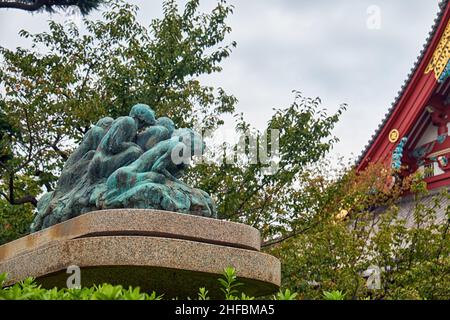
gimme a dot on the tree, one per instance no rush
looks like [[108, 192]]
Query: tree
[[315, 216], [278, 204], [409, 256], [85, 6], [53, 97], [6, 131]]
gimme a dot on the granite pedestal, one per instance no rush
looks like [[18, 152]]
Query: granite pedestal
[[160, 251]]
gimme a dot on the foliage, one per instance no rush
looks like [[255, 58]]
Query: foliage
[[285, 295], [203, 294], [6, 131], [69, 79], [85, 6], [229, 282], [14, 221], [279, 203], [411, 250], [29, 290], [53, 97], [334, 295], [327, 224]]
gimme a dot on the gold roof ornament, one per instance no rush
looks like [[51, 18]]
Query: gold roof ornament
[[394, 135], [441, 55]]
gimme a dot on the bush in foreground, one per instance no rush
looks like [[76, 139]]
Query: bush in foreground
[[30, 290]]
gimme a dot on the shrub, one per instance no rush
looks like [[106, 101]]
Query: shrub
[[30, 290]]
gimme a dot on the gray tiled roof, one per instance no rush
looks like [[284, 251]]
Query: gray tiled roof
[[437, 20], [440, 203]]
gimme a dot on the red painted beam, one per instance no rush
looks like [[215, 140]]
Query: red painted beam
[[438, 181]]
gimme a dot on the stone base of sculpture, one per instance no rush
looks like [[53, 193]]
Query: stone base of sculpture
[[160, 251]]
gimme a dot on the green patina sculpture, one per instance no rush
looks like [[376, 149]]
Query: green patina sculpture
[[130, 162]]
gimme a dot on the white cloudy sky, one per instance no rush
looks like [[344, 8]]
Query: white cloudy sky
[[319, 47]]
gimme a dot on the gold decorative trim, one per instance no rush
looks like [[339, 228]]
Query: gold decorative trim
[[394, 135], [441, 55]]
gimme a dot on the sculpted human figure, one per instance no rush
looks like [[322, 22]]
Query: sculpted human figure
[[75, 166], [163, 164], [162, 130], [90, 141], [159, 160], [118, 147], [79, 160], [133, 162]]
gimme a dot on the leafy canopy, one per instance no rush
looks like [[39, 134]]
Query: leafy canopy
[[69, 79]]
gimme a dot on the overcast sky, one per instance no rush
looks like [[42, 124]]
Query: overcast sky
[[335, 49]]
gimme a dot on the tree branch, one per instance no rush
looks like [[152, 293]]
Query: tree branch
[[26, 199], [35, 5], [23, 5], [4, 195], [286, 237], [12, 200], [60, 152]]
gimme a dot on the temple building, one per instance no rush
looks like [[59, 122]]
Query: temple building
[[414, 134]]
